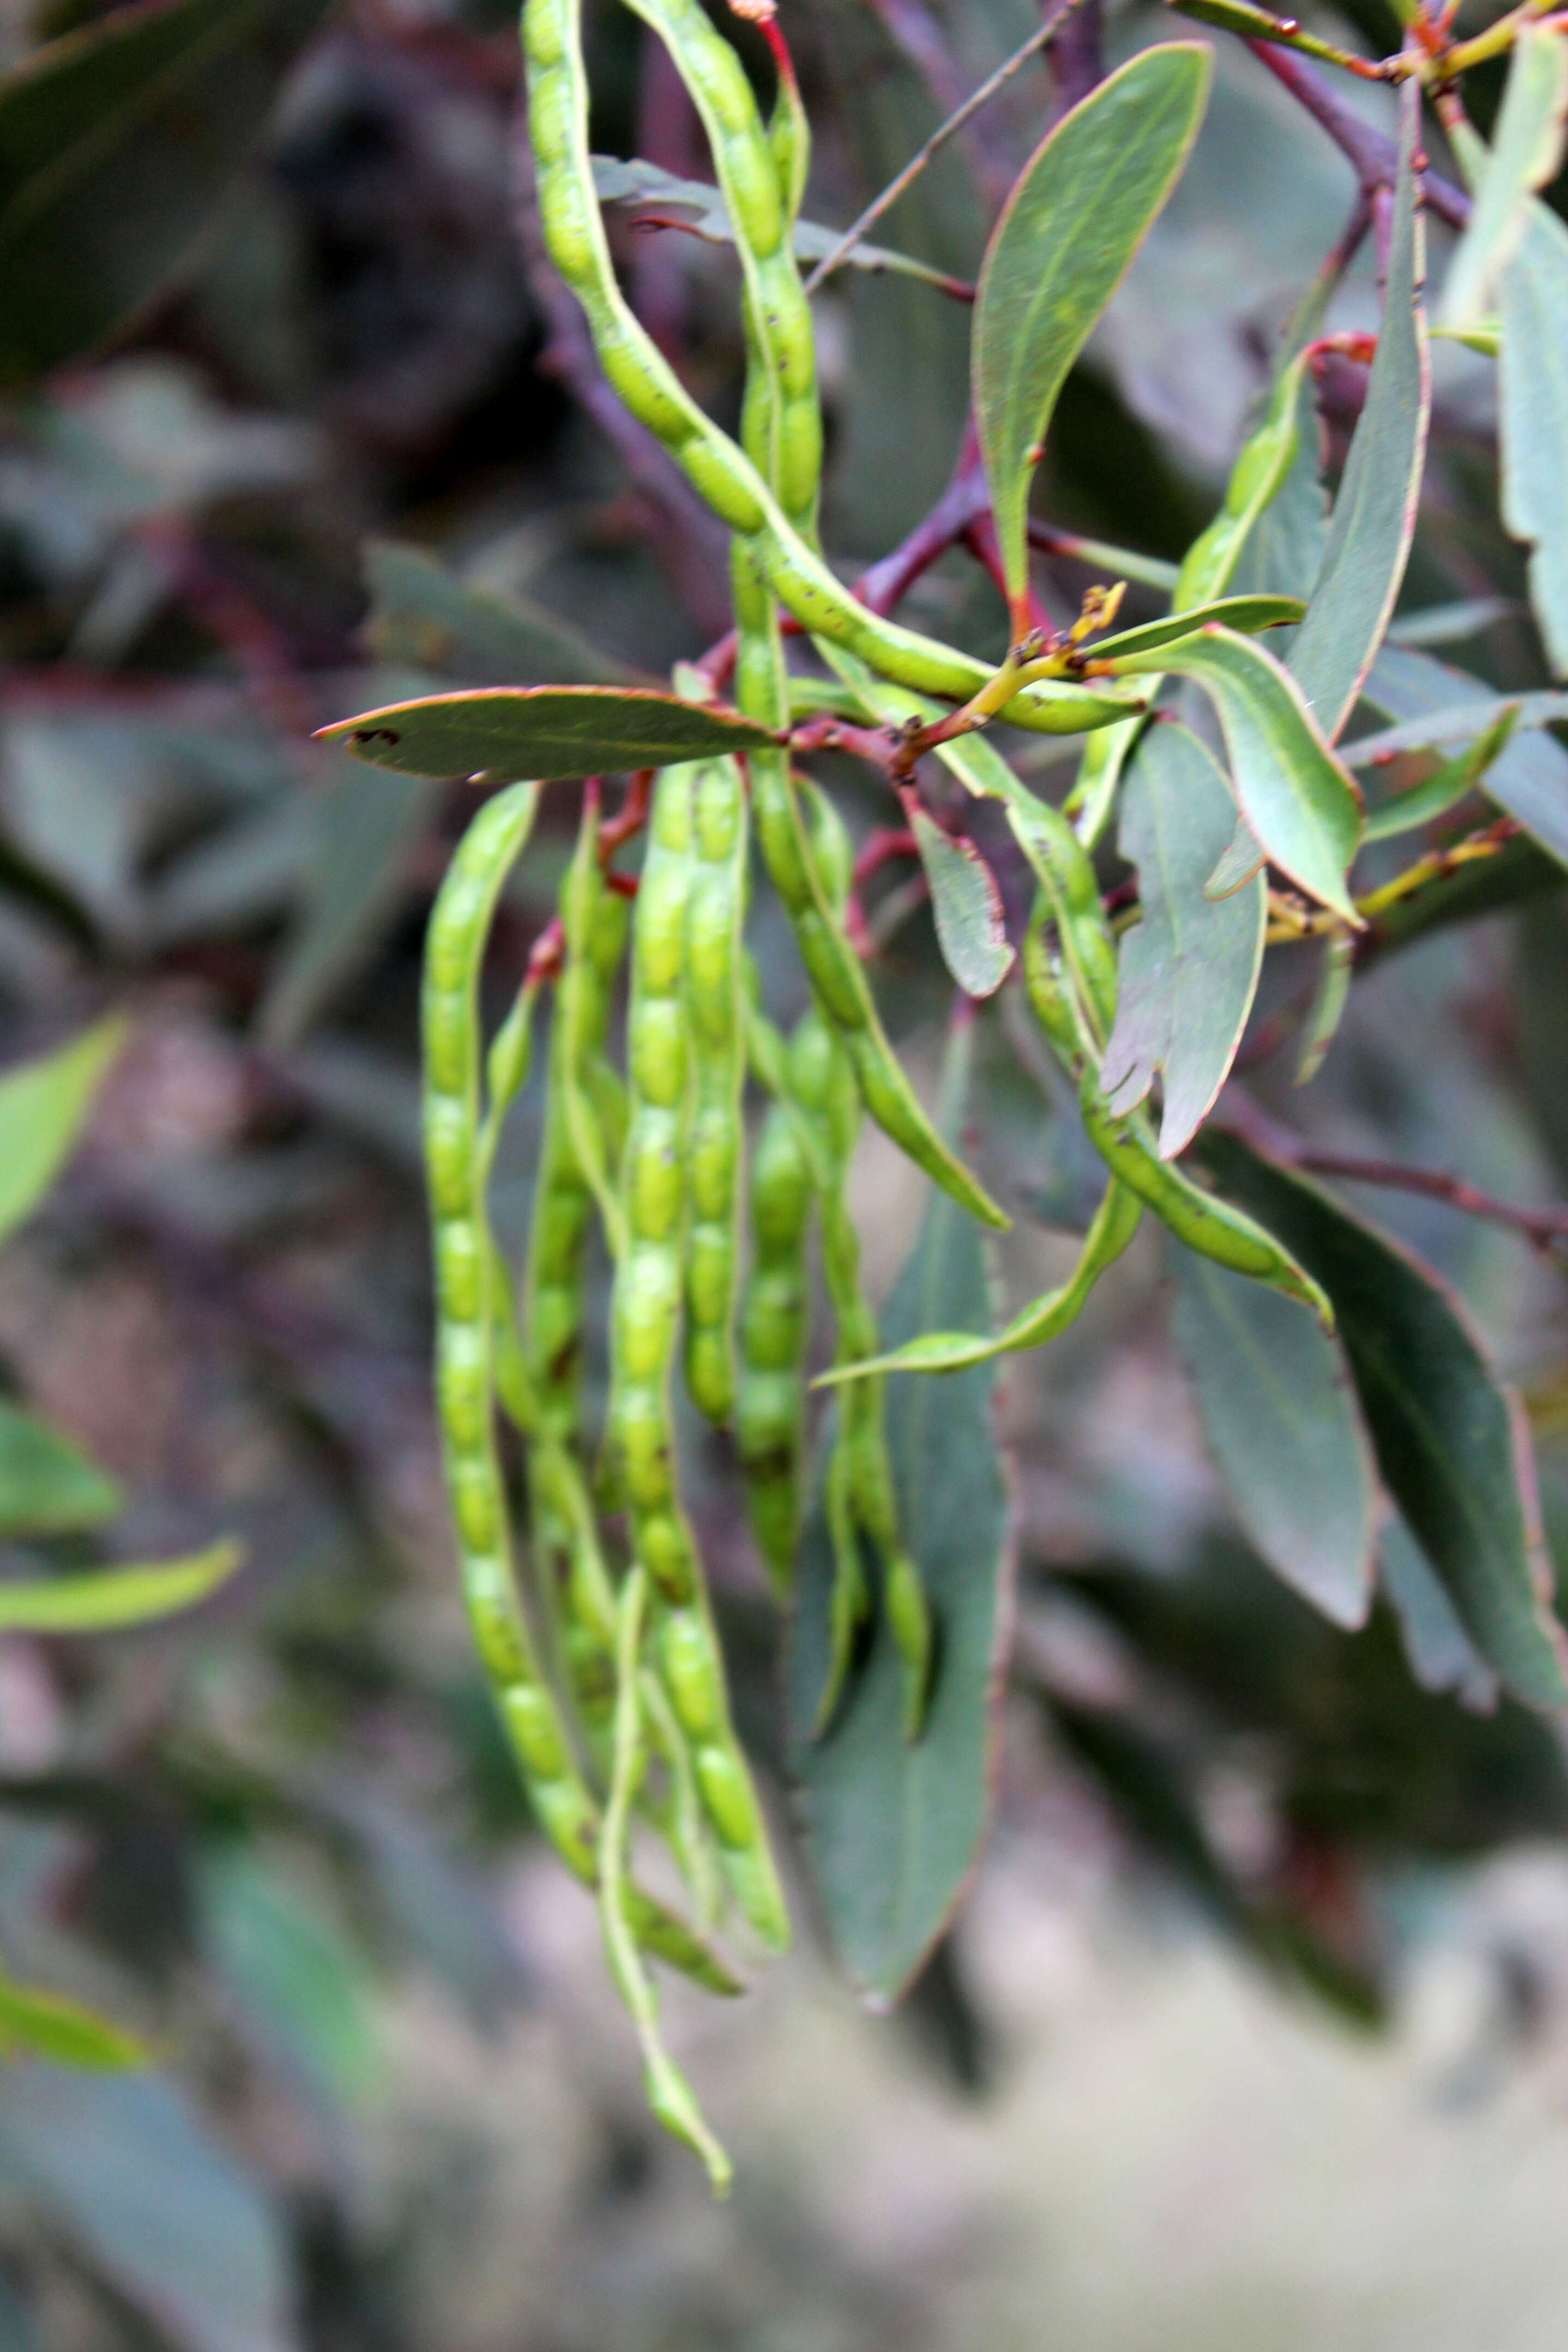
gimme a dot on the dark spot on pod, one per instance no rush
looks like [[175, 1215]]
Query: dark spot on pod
[[376, 735]]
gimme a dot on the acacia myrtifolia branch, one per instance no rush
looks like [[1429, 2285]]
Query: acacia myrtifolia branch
[[1372, 153]]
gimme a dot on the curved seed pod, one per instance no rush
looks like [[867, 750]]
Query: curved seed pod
[[716, 1011], [460, 924], [645, 1316], [669, 2094], [1211, 1226], [721, 473], [782, 420]]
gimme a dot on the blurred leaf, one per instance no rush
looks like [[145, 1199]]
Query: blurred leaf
[[553, 732], [1248, 615], [105, 1599], [1526, 148], [1150, 1793], [1453, 780], [967, 906], [1284, 548], [1374, 518], [292, 1969], [1540, 1000], [1294, 794], [438, 1906], [121, 2164], [893, 1829], [1189, 970], [47, 1487], [423, 614], [42, 2024], [1534, 421], [1441, 1654], [362, 831], [1280, 1412], [117, 145], [44, 1105], [1451, 625], [1077, 215], [640, 182], [1452, 1443], [1529, 778]]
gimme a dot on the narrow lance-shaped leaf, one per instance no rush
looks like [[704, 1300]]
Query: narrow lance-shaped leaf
[[893, 1828], [1280, 1412], [1534, 381], [43, 1107], [1189, 970], [967, 906], [1065, 238], [49, 2025], [420, 612], [1441, 1655], [117, 145], [1374, 514], [1527, 147], [1298, 799], [1452, 1443], [106, 1599], [547, 731], [1434, 704], [701, 211]]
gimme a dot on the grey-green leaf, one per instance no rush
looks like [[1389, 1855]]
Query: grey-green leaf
[[700, 210], [1280, 1413], [1189, 970], [106, 1599], [1452, 1443], [1527, 147], [893, 1830], [1529, 778], [547, 731], [118, 142], [967, 906], [1533, 421], [1441, 1655], [47, 1487], [1374, 514], [43, 1106], [1294, 793], [1067, 237], [421, 613]]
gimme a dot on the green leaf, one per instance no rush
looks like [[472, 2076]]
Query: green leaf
[[1436, 705], [892, 1829], [118, 143], [1374, 514], [1294, 794], [702, 211], [123, 2166], [1189, 970], [357, 877], [1452, 1443], [1078, 214], [1245, 615], [554, 732], [47, 2025], [1280, 1413], [967, 906], [421, 613], [47, 1487], [292, 1967], [106, 1599], [1532, 382], [1527, 147], [1440, 1652], [1404, 812], [44, 1105]]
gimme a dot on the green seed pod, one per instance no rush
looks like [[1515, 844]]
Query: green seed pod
[[716, 1015]]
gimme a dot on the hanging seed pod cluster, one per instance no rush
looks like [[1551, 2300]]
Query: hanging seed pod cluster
[[714, 1157]]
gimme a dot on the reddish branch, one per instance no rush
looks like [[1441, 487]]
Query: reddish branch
[[1545, 1230], [1370, 152]]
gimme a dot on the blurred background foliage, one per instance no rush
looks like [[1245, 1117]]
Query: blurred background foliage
[[288, 429]]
